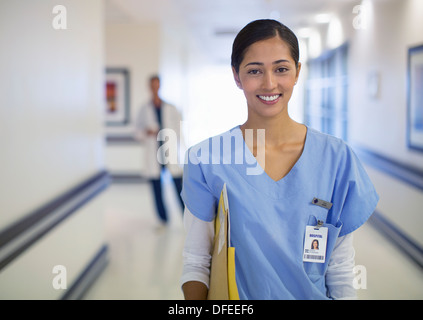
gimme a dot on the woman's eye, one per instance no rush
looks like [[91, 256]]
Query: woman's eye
[[254, 71], [282, 70]]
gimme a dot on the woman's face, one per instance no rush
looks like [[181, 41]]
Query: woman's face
[[267, 76]]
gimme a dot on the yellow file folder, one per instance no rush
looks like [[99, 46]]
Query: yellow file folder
[[222, 275]]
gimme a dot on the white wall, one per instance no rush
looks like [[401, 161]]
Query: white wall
[[137, 48], [174, 56], [51, 133], [380, 123], [50, 102]]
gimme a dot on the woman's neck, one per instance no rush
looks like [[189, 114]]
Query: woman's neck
[[278, 130]]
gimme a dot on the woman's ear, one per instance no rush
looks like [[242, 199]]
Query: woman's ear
[[236, 77], [298, 72]]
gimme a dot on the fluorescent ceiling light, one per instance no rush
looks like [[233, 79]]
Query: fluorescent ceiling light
[[304, 32], [323, 17]]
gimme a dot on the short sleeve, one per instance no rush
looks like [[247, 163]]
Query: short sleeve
[[354, 198], [196, 193]]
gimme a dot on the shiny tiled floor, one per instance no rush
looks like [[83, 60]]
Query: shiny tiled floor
[[146, 261]]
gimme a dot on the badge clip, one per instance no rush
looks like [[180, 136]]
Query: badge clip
[[319, 225]]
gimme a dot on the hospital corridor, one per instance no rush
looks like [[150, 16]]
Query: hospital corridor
[[105, 111]]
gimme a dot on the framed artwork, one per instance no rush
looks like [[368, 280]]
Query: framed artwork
[[117, 96], [415, 98]]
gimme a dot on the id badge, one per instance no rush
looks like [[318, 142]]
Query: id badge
[[315, 244]]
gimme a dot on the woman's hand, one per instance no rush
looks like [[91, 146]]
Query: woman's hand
[[195, 290]]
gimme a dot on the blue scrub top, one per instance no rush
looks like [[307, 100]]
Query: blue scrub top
[[268, 218]]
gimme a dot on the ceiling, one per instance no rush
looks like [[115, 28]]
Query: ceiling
[[215, 22]]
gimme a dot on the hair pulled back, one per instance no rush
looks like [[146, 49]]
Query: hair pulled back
[[262, 30]]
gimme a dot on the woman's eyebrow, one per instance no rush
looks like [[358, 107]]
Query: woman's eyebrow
[[261, 63]]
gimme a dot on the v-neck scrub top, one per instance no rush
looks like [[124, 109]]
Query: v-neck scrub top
[[268, 218]]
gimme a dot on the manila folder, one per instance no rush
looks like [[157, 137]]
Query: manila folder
[[222, 281]]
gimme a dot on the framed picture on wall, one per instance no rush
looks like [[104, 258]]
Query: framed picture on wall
[[117, 104], [415, 98]]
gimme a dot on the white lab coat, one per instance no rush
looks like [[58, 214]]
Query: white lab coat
[[171, 119]]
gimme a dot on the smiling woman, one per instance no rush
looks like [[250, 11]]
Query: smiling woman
[[267, 75], [265, 66], [271, 213]]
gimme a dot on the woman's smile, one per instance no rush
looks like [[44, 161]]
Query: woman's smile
[[269, 99]]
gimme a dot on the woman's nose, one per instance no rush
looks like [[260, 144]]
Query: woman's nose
[[268, 81]]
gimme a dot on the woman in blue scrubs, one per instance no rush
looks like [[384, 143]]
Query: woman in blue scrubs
[[285, 182]]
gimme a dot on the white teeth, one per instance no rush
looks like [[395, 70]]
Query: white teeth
[[269, 98]]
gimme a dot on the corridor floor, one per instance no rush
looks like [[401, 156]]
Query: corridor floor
[[146, 260]]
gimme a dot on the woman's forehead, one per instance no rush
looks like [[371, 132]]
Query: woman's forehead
[[269, 50]]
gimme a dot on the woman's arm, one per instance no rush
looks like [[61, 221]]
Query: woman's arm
[[340, 276], [196, 257]]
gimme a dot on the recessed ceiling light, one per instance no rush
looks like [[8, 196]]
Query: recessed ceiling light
[[304, 32], [323, 17]]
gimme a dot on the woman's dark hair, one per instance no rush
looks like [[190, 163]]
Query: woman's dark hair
[[262, 30]]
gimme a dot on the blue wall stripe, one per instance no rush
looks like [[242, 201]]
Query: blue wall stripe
[[402, 171], [398, 237], [411, 175], [21, 235], [87, 277]]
